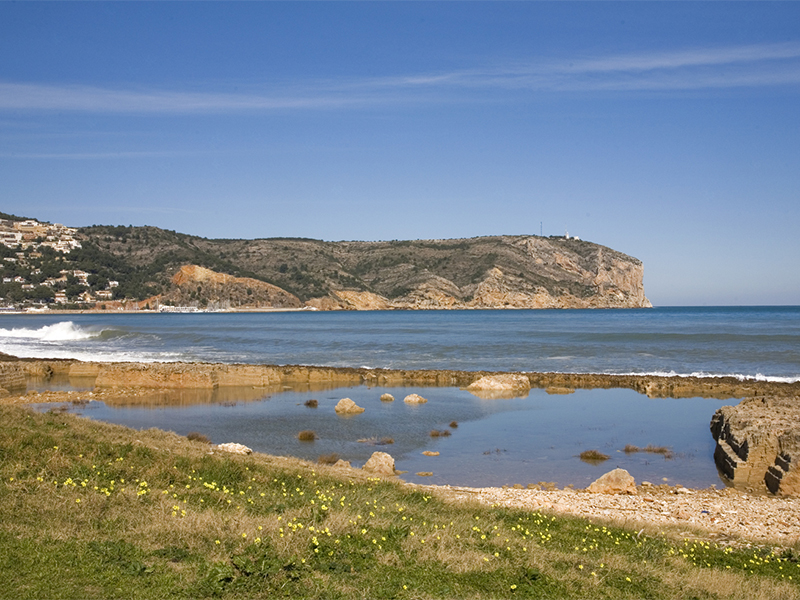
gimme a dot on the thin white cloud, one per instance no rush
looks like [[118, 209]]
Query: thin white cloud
[[92, 155], [750, 66]]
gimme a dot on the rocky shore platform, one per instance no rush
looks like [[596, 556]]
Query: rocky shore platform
[[726, 515], [757, 453]]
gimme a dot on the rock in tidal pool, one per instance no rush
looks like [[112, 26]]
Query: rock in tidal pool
[[618, 481], [387, 398], [505, 385], [345, 406], [414, 399], [380, 463]]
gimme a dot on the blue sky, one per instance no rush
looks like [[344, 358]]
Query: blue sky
[[668, 131]]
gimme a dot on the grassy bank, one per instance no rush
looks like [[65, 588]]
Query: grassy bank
[[89, 510]]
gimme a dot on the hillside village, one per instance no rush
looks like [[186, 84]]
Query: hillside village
[[36, 272]]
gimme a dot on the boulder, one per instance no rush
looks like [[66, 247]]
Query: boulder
[[505, 385], [380, 463], [618, 481], [234, 448], [342, 464], [387, 398], [414, 399], [345, 406]]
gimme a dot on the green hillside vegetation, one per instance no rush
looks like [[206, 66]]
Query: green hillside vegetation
[[91, 510]]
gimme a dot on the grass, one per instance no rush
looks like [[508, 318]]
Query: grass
[[440, 433], [195, 436], [311, 403], [306, 436], [90, 510]]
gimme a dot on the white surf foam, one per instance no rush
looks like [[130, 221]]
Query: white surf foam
[[64, 331]]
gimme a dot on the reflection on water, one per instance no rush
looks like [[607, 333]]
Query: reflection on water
[[493, 441]]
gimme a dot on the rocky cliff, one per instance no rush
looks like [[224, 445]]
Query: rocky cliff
[[484, 272]]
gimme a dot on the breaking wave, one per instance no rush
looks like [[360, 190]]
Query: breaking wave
[[65, 331]]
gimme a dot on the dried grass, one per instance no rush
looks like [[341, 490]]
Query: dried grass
[[593, 456], [328, 459], [307, 436]]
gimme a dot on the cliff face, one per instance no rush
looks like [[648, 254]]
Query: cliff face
[[485, 272]]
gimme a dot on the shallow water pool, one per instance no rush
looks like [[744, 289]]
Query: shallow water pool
[[496, 442]]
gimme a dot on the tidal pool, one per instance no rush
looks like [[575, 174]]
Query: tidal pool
[[533, 439]]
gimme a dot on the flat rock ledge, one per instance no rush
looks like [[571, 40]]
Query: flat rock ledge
[[758, 444], [727, 515]]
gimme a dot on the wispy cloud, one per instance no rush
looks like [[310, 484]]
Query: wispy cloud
[[751, 66], [93, 155]]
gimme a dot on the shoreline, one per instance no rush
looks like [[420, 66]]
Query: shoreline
[[723, 514]]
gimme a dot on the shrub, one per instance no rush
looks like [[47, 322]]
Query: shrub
[[311, 403], [662, 450], [631, 449], [454, 424], [593, 456], [306, 436], [194, 436]]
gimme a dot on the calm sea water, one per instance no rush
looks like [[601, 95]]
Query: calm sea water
[[521, 440], [759, 342]]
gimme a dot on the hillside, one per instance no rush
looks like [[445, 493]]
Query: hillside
[[485, 272]]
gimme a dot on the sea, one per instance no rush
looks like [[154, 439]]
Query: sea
[[524, 440]]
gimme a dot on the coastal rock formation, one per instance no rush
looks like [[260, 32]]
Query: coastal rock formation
[[12, 378], [380, 463], [387, 398], [346, 406], [618, 481], [414, 399], [758, 444], [505, 385]]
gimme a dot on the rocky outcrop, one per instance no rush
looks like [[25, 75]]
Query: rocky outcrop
[[192, 283], [346, 406], [414, 399], [758, 444], [506, 385], [380, 463], [12, 378], [618, 481], [234, 448]]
